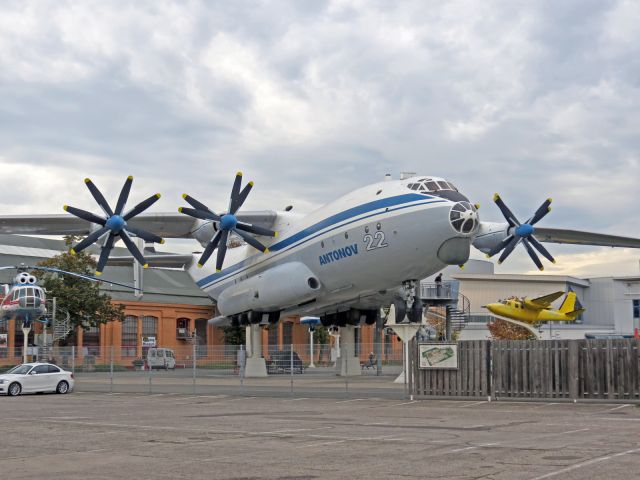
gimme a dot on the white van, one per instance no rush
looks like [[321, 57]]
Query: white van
[[161, 358]]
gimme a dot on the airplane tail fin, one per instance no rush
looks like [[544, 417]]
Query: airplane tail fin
[[569, 304]]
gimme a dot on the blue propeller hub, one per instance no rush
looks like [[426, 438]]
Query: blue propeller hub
[[525, 230], [116, 223], [228, 222]]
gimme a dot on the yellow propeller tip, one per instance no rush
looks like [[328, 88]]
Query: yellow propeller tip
[[550, 199], [266, 250], [158, 195], [553, 261], [180, 209], [87, 180], [477, 205], [495, 197], [161, 241], [499, 262], [72, 251], [541, 269], [98, 273], [461, 267], [200, 265], [218, 270], [251, 183], [275, 234], [65, 207], [130, 177], [146, 265], [184, 195], [239, 174], [488, 256]]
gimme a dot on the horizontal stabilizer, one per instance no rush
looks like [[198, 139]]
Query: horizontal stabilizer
[[577, 237]]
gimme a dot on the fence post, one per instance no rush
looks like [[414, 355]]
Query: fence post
[[240, 361], [73, 359], [291, 366], [574, 365], [111, 372], [194, 368]]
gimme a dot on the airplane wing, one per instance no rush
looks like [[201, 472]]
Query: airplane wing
[[577, 237], [168, 260], [166, 225], [546, 300]]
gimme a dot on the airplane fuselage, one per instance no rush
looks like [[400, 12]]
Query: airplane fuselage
[[353, 250]]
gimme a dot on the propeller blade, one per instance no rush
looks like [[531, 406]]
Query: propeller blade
[[195, 203], [256, 230], [500, 246], [532, 254], [98, 197], [252, 241], [89, 240], [141, 207], [133, 249], [235, 191], [541, 212], [211, 246], [508, 214], [201, 214], [124, 195], [84, 215], [538, 246], [509, 248], [147, 236], [104, 253], [241, 198], [222, 250]]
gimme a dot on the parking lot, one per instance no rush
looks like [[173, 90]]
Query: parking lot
[[132, 435]]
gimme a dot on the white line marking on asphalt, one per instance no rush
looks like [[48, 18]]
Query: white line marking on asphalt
[[295, 399], [618, 408], [472, 448], [405, 403], [292, 430], [352, 400], [608, 419], [473, 403], [588, 462], [321, 444]]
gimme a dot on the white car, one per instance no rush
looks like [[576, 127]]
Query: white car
[[35, 378]]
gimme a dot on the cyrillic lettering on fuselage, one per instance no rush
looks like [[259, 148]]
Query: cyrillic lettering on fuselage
[[338, 254]]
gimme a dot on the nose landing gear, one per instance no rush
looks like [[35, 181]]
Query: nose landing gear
[[409, 306]]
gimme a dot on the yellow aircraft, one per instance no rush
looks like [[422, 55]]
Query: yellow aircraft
[[532, 311]]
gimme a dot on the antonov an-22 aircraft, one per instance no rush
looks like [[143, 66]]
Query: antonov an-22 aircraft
[[342, 262]]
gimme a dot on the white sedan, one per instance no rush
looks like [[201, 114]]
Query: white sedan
[[35, 378]]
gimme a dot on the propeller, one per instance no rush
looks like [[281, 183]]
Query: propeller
[[522, 233], [114, 224], [227, 223]]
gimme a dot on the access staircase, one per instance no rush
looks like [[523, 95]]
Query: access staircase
[[444, 303]]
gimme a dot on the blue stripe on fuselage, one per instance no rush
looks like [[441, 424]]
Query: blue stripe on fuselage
[[327, 222]]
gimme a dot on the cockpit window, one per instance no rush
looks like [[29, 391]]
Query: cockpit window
[[443, 185], [432, 186]]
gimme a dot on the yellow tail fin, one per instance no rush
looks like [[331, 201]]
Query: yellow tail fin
[[569, 304]]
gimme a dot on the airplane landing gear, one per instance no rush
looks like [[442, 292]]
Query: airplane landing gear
[[409, 306]]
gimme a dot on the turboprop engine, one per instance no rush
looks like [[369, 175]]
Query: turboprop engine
[[288, 284]]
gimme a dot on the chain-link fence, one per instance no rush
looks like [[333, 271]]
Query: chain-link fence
[[227, 369]]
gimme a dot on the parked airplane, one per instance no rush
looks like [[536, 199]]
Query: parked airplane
[[342, 262], [536, 310]]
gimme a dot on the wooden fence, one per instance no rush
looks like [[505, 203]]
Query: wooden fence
[[554, 369]]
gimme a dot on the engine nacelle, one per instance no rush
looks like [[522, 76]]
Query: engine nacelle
[[285, 285], [489, 235], [23, 278]]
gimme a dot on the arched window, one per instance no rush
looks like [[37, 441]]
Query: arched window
[[273, 337], [149, 329], [182, 328], [91, 340], [287, 335], [130, 336]]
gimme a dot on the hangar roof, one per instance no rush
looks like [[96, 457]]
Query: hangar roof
[[523, 278]]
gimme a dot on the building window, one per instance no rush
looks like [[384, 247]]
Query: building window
[[272, 340], [182, 328], [287, 335], [4, 346], [356, 341], [130, 336], [636, 309], [201, 337], [91, 340], [149, 329]]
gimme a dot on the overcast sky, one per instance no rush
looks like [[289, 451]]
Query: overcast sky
[[312, 99]]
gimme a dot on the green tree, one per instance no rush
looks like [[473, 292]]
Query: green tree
[[234, 335], [503, 330], [87, 306]]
